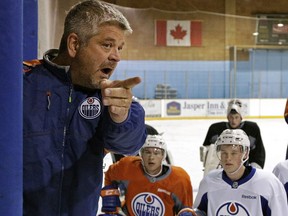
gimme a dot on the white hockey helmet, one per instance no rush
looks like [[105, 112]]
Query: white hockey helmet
[[233, 137], [155, 141], [235, 106]]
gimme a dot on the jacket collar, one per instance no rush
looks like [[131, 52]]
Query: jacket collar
[[62, 72]]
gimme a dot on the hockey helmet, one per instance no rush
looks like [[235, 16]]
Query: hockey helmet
[[155, 141], [235, 106], [233, 137]]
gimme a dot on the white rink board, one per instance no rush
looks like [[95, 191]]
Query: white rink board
[[203, 108]]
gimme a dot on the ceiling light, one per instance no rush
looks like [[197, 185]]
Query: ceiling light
[[280, 24]]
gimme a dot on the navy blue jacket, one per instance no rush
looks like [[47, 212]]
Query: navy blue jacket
[[65, 132]]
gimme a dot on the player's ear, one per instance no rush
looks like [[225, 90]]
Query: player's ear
[[164, 155], [246, 154], [72, 44]]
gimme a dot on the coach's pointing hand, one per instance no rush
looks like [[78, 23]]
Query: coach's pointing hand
[[117, 95]]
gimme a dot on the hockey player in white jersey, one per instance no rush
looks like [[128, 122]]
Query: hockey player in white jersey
[[238, 189], [286, 119], [281, 171], [235, 115]]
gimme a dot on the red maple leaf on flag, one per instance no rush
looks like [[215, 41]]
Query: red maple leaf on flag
[[178, 33]]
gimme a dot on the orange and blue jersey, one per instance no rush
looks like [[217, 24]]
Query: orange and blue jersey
[[164, 195]]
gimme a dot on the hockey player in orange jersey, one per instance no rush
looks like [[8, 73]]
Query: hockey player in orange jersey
[[148, 186]]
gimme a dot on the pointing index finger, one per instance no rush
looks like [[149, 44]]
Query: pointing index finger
[[127, 84]]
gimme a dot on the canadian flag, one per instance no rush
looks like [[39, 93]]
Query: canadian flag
[[178, 33]]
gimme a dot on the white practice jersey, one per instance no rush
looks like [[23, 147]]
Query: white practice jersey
[[258, 194], [281, 171]]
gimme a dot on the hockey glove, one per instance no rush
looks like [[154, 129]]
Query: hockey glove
[[190, 212], [110, 199]]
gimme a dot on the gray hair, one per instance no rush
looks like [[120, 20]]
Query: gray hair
[[86, 17]]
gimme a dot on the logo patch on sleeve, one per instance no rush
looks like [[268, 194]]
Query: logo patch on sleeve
[[90, 108]]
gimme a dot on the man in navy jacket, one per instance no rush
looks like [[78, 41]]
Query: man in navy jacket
[[73, 114]]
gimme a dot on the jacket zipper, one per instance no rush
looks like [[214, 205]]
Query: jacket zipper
[[63, 149]]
